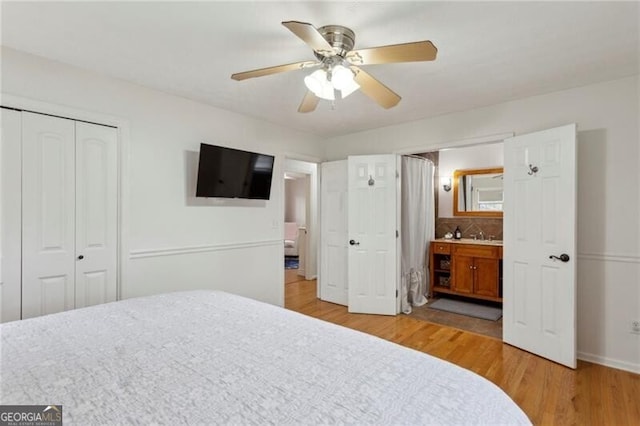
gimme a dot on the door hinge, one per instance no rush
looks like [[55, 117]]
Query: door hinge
[[397, 234], [397, 174], [396, 294]]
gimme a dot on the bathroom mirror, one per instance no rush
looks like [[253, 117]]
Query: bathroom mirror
[[478, 192]]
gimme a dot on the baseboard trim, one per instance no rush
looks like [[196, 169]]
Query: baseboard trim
[[608, 362], [610, 257], [176, 251]]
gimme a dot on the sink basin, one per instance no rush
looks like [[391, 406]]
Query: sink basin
[[472, 241], [489, 242]]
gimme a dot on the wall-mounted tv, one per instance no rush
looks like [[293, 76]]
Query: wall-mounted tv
[[232, 173]]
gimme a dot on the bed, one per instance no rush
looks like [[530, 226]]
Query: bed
[[207, 357]]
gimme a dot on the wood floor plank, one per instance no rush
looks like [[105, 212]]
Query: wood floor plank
[[550, 394]]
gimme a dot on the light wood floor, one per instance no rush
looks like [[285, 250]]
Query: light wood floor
[[548, 393], [291, 276]]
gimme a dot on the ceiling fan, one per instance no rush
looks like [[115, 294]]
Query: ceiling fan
[[339, 70]]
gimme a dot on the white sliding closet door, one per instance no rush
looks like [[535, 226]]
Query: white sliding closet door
[[48, 214], [96, 214]]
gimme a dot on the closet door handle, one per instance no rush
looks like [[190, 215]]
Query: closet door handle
[[80, 257]]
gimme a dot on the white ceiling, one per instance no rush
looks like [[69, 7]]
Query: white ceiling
[[487, 52]]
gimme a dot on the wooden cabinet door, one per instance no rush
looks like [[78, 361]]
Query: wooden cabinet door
[[486, 277], [462, 270]]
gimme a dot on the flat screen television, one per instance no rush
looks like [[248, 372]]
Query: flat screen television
[[232, 173]]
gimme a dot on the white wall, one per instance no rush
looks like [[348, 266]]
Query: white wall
[[296, 200], [470, 157], [607, 115], [171, 240]]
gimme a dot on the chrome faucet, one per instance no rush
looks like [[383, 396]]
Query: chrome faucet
[[481, 236]]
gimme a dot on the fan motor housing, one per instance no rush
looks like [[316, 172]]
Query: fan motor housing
[[340, 38]]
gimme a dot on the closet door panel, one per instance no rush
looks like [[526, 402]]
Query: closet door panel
[[48, 201], [96, 214], [10, 215]]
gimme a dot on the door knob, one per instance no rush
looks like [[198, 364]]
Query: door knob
[[564, 257], [80, 257], [354, 242]]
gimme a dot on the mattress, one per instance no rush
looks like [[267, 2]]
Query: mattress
[[209, 357]]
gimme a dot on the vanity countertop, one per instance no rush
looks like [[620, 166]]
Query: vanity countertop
[[470, 241]]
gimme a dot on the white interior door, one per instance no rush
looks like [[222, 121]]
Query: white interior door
[[48, 214], [539, 223], [10, 215], [333, 229], [372, 225], [96, 214]]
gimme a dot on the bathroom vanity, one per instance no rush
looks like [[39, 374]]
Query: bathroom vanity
[[467, 267]]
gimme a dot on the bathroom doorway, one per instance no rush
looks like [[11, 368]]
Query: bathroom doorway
[[445, 306]]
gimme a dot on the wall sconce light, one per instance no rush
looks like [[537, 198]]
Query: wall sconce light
[[445, 181]]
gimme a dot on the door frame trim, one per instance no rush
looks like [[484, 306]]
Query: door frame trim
[[458, 143], [123, 141]]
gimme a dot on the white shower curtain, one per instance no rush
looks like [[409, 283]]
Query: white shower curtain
[[417, 224]]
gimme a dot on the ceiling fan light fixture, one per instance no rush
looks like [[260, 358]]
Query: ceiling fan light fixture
[[341, 77], [340, 65], [349, 89], [316, 81], [328, 92]]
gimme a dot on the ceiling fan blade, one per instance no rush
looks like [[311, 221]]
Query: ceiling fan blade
[[309, 102], [310, 35], [273, 70], [406, 52], [377, 91]]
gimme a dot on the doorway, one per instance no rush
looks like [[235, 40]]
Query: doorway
[[300, 200], [463, 307]]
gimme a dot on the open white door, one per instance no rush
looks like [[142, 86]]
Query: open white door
[[540, 243], [333, 232], [372, 252]]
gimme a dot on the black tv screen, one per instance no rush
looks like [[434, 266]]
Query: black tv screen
[[232, 173]]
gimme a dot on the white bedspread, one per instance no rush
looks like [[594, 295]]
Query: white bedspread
[[210, 357]]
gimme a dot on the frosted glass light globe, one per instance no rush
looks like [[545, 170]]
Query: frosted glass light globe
[[349, 89], [341, 77], [319, 85], [315, 81]]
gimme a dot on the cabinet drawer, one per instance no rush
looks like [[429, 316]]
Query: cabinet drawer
[[476, 250], [441, 248]]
